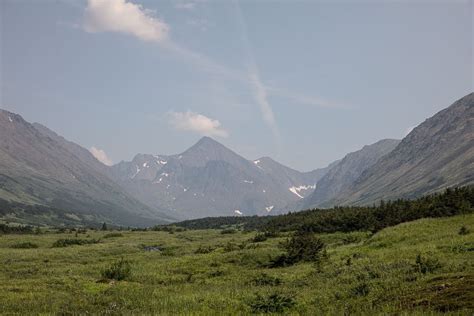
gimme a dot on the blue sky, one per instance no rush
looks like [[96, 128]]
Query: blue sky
[[304, 82]]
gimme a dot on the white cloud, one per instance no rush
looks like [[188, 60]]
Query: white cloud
[[100, 155], [124, 17], [194, 122], [260, 91], [261, 97]]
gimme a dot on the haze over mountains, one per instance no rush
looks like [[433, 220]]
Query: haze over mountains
[[46, 179], [209, 179]]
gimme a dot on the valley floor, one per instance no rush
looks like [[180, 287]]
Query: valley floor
[[205, 272]]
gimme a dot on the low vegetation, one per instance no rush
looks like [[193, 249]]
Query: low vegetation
[[273, 303], [24, 245], [119, 270], [66, 242], [424, 266], [113, 235], [303, 247]]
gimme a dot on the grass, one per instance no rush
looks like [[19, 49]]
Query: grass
[[421, 267]]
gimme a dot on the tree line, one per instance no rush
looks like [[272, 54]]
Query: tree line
[[453, 201]]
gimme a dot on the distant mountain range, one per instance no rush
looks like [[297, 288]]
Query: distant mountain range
[[46, 179], [209, 179]]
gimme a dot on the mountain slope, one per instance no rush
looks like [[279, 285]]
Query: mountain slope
[[439, 153], [38, 167], [348, 170], [209, 179], [299, 183]]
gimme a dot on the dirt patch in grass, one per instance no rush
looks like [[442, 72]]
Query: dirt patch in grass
[[445, 294]]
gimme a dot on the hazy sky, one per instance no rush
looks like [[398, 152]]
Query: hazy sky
[[304, 82]]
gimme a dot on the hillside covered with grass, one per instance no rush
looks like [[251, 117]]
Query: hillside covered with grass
[[419, 267]]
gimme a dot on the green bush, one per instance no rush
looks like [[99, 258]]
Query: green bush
[[266, 280], [204, 250], [273, 303], [228, 231], [350, 239], [426, 265], [71, 242], [361, 289], [24, 245], [112, 235], [217, 273], [119, 270], [301, 248], [259, 238], [169, 251], [464, 231], [231, 246]]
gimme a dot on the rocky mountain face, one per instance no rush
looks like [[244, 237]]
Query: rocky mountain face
[[347, 171], [209, 179], [439, 153], [38, 167]]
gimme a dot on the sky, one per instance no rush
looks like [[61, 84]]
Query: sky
[[304, 82]]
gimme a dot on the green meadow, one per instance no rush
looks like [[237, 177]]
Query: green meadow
[[420, 267]]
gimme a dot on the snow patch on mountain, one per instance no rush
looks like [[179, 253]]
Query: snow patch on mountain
[[269, 208], [136, 172], [297, 190], [256, 162]]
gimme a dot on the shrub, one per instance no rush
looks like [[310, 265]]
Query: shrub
[[216, 273], [350, 239], [204, 250], [168, 251], [119, 270], [25, 245], [230, 246], [426, 265], [301, 247], [464, 231], [259, 238], [265, 279], [151, 247], [70, 242], [112, 235], [228, 231], [361, 289], [274, 303]]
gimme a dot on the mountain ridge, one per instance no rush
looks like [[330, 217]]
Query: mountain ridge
[[347, 171], [39, 167], [436, 154], [199, 178]]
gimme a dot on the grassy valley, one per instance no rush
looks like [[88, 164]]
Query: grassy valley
[[423, 266]]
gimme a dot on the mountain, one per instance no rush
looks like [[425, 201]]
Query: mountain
[[209, 179], [437, 154], [347, 171], [40, 170]]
